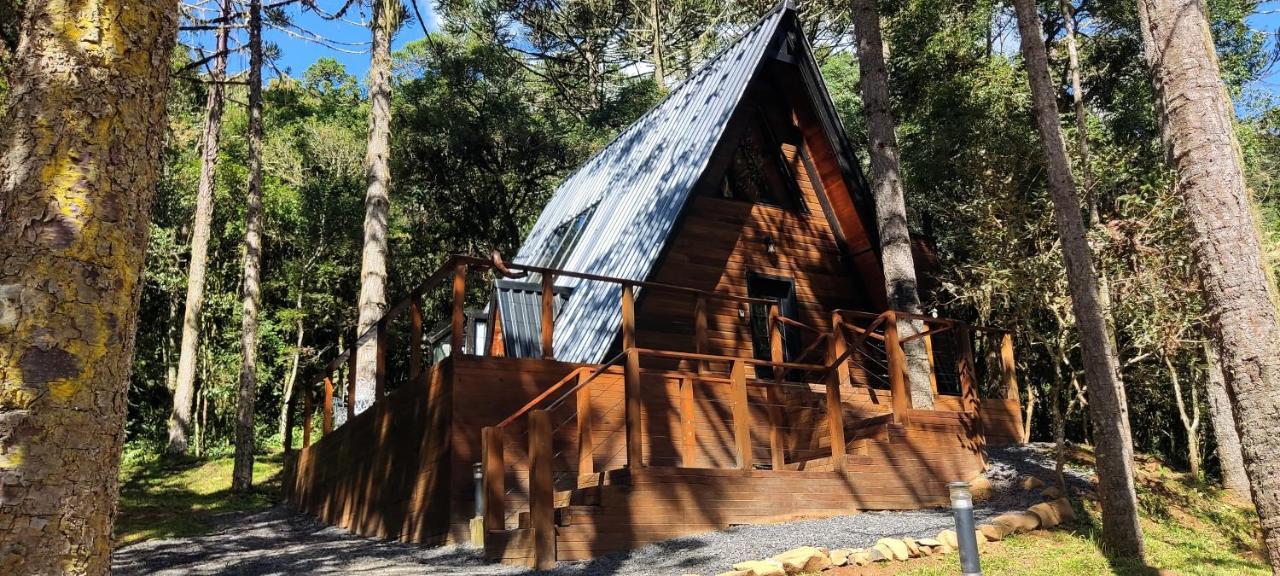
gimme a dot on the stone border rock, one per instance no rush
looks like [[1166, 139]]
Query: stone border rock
[[811, 559]]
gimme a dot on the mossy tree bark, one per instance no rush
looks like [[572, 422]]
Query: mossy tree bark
[[1108, 411], [1199, 131], [185, 386], [82, 138], [886, 186]]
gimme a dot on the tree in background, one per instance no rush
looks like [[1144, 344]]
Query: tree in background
[[886, 187], [76, 183], [1121, 532], [387, 16], [185, 385], [1199, 131], [251, 289]]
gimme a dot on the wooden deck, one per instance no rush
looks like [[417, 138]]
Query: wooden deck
[[582, 460]]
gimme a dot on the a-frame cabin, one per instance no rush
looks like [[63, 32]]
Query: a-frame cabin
[[693, 335]]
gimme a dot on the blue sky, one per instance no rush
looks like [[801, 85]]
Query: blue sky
[[349, 39]]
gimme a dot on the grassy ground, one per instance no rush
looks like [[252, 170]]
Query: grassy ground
[[1190, 529], [174, 497]]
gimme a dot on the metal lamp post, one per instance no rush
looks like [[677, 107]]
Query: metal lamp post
[[966, 532]]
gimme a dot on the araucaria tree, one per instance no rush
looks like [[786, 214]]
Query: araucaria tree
[[1199, 132], [1121, 532], [886, 186], [81, 139], [246, 396], [387, 15], [184, 389]]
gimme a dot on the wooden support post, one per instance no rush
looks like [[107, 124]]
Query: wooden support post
[[835, 410], [326, 424], [841, 346], [1008, 367], [380, 364], [541, 491], [548, 316], [494, 479], [933, 368], [898, 388], [700, 329], [741, 414], [965, 368], [351, 383], [458, 319], [415, 339], [308, 410], [688, 422], [631, 402], [586, 448]]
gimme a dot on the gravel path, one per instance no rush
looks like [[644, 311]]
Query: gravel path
[[278, 541]]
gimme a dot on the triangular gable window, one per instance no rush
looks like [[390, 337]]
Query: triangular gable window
[[758, 172]]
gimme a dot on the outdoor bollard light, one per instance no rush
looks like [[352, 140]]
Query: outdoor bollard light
[[966, 536], [477, 474]]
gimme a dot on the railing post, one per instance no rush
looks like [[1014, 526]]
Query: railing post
[[548, 316], [741, 414], [933, 369], [415, 339], [494, 479], [835, 408], [326, 424], [380, 361], [901, 395], [631, 401], [700, 329], [628, 317], [965, 368], [1008, 367], [841, 346], [773, 396], [308, 410], [541, 491], [688, 432], [351, 383], [586, 448], [458, 320]]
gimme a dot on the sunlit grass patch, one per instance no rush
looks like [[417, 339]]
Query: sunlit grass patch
[[164, 497]]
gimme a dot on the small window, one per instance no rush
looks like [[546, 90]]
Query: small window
[[565, 237]]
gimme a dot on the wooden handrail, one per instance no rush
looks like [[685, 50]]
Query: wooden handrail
[[539, 398], [727, 359], [790, 322]]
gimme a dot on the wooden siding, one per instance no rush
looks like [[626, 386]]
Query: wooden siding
[[382, 473], [720, 242]]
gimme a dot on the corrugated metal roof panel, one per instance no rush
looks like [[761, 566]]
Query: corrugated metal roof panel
[[641, 182], [521, 305]]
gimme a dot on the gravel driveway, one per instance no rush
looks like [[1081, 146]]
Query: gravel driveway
[[278, 541]]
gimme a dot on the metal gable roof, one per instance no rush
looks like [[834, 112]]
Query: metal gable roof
[[639, 184]]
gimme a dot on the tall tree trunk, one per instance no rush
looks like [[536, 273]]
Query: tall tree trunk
[[659, 70], [1230, 460], [82, 137], [1121, 532], [184, 388], [242, 471], [289, 382], [886, 184], [1198, 124], [1190, 420], [377, 204]]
